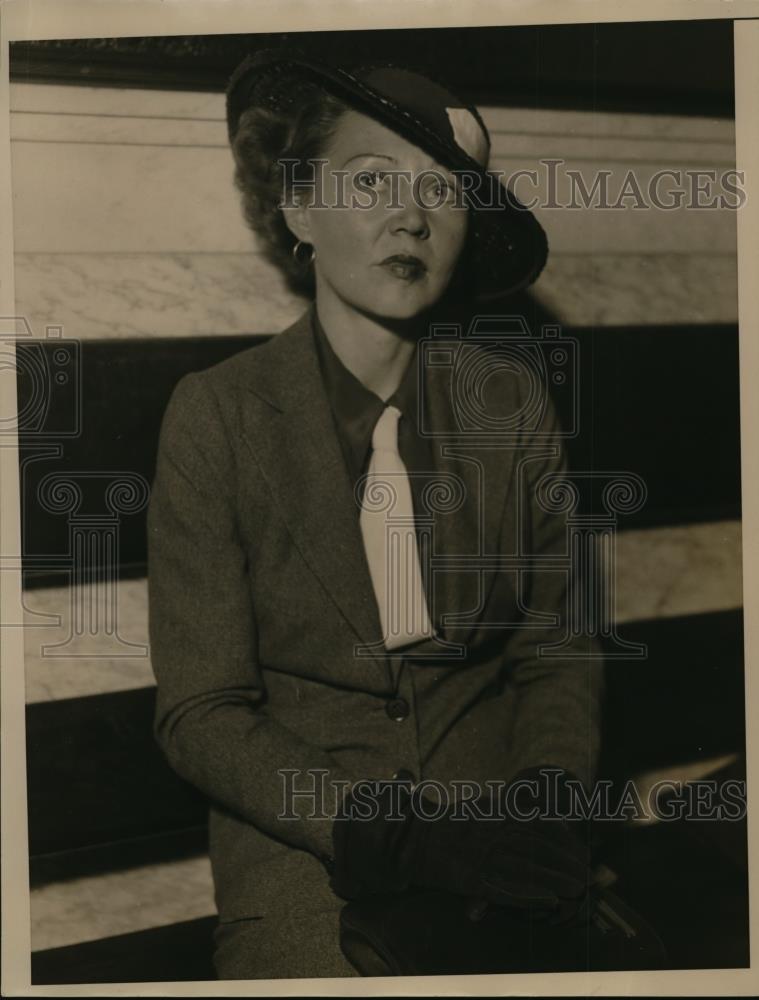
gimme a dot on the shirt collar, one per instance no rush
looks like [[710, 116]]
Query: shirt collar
[[355, 407]]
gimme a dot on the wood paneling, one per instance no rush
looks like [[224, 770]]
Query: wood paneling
[[683, 66]]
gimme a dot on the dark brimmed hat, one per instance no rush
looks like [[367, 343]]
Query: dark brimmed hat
[[509, 246]]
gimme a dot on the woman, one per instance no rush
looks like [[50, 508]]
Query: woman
[[289, 669]]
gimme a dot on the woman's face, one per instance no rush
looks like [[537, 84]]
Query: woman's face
[[389, 242]]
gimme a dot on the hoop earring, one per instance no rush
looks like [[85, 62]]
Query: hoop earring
[[296, 254]]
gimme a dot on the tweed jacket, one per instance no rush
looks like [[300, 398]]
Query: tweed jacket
[[265, 635]]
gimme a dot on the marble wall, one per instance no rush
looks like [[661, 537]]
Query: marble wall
[[126, 221]]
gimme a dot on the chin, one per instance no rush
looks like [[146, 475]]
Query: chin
[[405, 303]]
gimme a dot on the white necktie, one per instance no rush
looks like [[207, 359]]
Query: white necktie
[[387, 525]]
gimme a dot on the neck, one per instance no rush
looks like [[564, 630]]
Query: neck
[[376, 350]]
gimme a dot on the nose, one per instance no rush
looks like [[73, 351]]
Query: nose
[[408, 215]]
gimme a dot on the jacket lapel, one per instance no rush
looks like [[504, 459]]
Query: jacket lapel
[[299, 453]]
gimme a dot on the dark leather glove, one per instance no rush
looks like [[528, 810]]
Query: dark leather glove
[[389, 839]]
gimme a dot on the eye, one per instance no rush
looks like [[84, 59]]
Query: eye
[[437, 191], [370, 178]]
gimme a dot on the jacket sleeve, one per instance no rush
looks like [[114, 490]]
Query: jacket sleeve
[[559, 697], [211, 716]]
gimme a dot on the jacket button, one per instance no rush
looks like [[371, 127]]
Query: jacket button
[[405, 775], [398, 709]]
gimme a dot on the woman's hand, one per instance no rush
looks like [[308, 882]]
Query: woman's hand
[[501, 850]]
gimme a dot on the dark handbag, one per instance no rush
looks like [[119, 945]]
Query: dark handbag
[[426, 933]]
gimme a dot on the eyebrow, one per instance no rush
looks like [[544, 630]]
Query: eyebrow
[[378, 156]]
